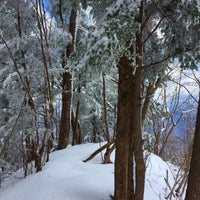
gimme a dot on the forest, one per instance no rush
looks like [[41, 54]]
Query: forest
[[119, 74]]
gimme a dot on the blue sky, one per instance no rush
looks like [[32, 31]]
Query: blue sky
[[47, 5]]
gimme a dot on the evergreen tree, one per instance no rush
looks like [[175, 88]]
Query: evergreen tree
[[140, 38], [31, 46]]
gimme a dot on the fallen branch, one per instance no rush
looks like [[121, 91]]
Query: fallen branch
[[99, 150]]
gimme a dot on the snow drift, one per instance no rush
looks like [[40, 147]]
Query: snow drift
[[66, 177]]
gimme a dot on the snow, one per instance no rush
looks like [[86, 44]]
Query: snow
[[66, 177]]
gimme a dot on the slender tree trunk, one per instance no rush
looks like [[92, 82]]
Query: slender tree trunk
[[94, 131], [39, 143], [108, 150], [137, 134], [105, 109], [67, 91], [107, 154], [124, 133], [76, 127], [84, 4], [193, 188], [151, 89], [156, 145], [137, 120]]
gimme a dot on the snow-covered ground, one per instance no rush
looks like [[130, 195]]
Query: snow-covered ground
[[66, 177]]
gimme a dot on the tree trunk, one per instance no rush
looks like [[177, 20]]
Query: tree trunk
[[193, 188], [107, 134], [94, 130], [76, 127], [137, 134], [129, 127], [151, 89], [137, 121], [107, 154], [67, 91], [156, 145], [124, 134]]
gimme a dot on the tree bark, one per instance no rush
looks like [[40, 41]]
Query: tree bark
[[76, 127], [67, 91], [137, 132], [137, 117], [193, 188], [124, 134], [129, 127], [107, 134]]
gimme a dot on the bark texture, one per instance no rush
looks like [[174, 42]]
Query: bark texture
[[129, 141], [193, 189], [67, 91], [124, 134], [137, 120]]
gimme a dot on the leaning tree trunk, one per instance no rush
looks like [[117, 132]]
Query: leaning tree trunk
[[109, 149], [67, 91], [124, 133], [193, 189]]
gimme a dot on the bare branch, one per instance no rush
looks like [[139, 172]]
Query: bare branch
[[158, 62], [154, 30], [98, 151], [185, 89]]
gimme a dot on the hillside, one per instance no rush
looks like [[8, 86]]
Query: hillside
[[66, 177]]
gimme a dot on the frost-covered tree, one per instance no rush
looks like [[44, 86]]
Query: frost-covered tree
[[140, 38], [65, 13], [29, 68], [73, 16], [15, 72], [165, 115]]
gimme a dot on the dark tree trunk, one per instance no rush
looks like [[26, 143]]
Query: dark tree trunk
[[76, 127], [107, 154], [137, 134], [67, 91], [94, 131], [137, 120], [193, 188], [129, 127], [109, 150], [124, 133]]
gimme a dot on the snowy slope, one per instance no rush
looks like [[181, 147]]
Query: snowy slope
[[66, 177]]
